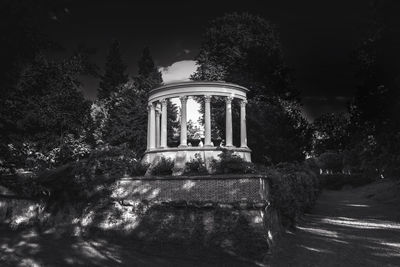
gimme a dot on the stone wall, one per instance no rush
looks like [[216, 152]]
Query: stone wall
[[229, 213]]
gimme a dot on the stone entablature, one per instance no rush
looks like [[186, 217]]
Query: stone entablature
[[198, 88], [157, 120]]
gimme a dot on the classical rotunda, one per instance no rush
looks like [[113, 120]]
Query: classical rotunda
[[157, 122]]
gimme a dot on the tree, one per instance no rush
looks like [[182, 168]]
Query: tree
[[126, 115], [48, 109], [114, 75], [375, 123], [22, 38], [246, 50], [193, 130], [375, 108], [127, 118], [331, 133], [277, 132], [173, 123], [148, 78]]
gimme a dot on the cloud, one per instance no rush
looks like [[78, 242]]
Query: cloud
[[178, 71]]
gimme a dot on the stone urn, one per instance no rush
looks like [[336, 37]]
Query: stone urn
[[217, 142], [194, 142]]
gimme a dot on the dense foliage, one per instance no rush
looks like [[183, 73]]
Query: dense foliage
[[246, 50], [163, 167], [127, 119], [122, 118], [114, 75], [294, 189], [331, 132], [46, 115], [196, 166], [230, 163], [367, 141]]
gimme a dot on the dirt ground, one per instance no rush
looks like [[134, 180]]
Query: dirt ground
[[352, 227]]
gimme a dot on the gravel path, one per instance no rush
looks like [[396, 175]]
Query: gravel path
[[346, 228]]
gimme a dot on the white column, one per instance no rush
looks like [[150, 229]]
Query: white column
[[148, 127], [228, 122], [158, 114], [152, 126], [183, 121], [164, 123], [207, 120], [243, 132]]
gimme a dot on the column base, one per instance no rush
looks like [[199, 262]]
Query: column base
[[182, 145]]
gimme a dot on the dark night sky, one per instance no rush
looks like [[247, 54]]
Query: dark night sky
[[317, 37]]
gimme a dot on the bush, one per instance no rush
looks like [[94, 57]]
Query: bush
[[91, 176], [70, 149], [163, 167], [111, 161], [294, 189], [231, 163], [196, 166]]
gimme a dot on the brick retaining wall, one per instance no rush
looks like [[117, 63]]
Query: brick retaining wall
[[222, 189]]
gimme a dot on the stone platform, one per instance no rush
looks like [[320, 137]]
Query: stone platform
[[220, 212]]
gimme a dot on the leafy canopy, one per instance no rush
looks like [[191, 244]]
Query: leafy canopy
[[246, 50], [114, 75]]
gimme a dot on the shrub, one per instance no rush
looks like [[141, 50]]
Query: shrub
[[93, 175], [70, 149], [23, 186], [231, 163], [196, 165], [111, 161], [294, 189], [163, 167]]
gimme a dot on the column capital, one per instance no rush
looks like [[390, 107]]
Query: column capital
[[183, 98], [207, 98], [229, 99], [163, 101], [150, 105], [243, 102]]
